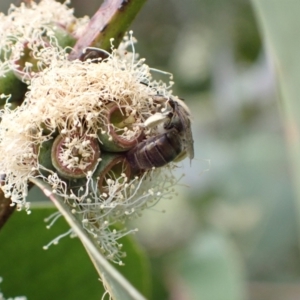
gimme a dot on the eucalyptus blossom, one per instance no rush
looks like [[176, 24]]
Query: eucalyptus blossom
[[76, 123]]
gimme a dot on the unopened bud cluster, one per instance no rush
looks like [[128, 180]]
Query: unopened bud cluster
[[76, 123]]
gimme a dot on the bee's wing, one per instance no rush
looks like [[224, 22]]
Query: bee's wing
[[184, 116], [155, 120], [189, 142]]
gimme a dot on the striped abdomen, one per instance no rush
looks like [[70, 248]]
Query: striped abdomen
[[156, 151]]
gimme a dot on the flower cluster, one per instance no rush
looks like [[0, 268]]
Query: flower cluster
[[27, 29], [75, 125]]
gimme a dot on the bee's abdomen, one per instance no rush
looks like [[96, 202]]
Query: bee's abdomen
[[156, 151]]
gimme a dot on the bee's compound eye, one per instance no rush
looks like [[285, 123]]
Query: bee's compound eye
[[2, 179], [94, 54]]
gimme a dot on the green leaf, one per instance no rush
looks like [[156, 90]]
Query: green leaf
[[61, 272], [137, 266], [279, 22], [212, 269], [27, 265], [116, 284]]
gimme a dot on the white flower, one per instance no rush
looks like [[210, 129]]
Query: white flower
[[27, 29]]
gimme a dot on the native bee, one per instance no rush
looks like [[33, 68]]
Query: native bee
[[174, 144]]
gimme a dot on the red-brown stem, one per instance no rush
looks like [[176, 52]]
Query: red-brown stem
[[5, 209], [112, 20]]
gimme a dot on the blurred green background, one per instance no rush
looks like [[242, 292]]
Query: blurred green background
[[232, 231]]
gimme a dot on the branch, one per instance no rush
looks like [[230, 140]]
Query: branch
[[112, 20], [5, 209]]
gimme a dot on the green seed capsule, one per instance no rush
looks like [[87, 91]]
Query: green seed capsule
[[112, 167], [44, 157], [11, 85], [74, 156], [119, 133]]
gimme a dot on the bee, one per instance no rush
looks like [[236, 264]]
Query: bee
[[174, 144], [94, 54]]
